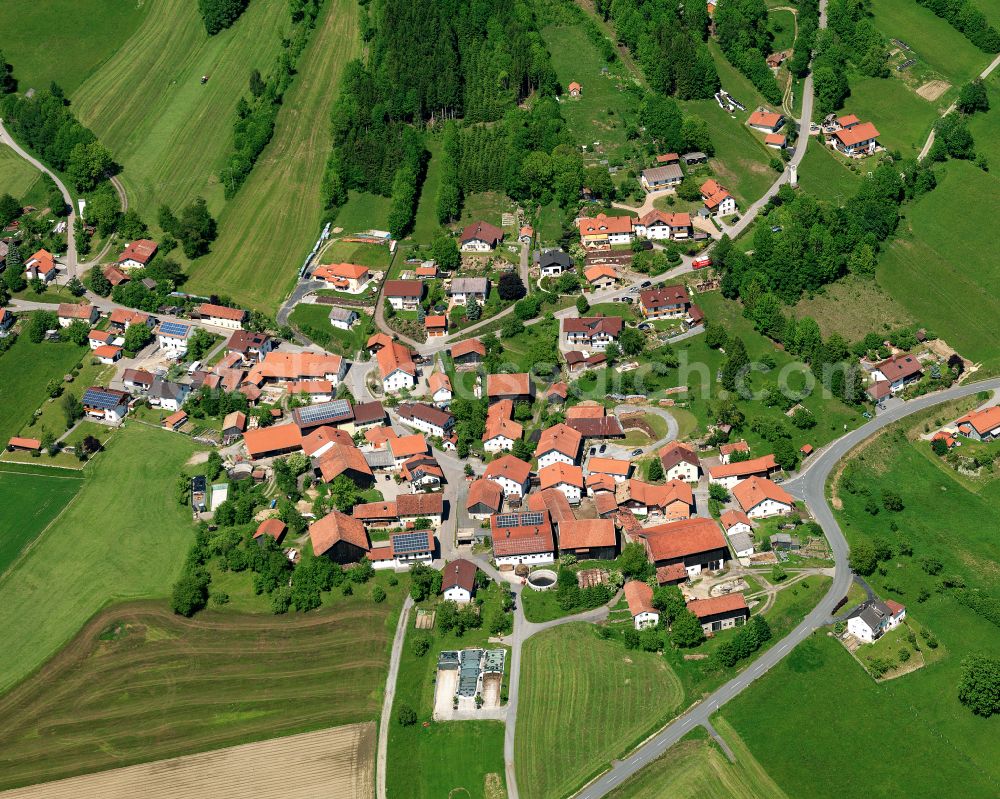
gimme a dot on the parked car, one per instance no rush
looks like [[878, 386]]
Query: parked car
[[636, 453], [603, 447], [646, 284]]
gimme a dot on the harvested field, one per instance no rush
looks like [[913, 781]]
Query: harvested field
[[933, 89], [336, 762], [147, 685]]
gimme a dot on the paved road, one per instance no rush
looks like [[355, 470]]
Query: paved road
[[930, 136], [70, 259], [390, 694], [810, 487]]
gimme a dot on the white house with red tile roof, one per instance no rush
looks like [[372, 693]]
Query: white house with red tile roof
[[480, 237], [137, 254], [68, 313], [680, 462], [659, 225], [857, 140], [639, 596], [558, 444], [717, 199], [439, 385], [766, 121], [981, 425], [664, 302], [898, 371], [40, 265], [736, 521], [522, 537], [345, 277], [222, 316], [872, 619], [730, 474], [601, 277], [512, 474], [396, 367], [565, 478], [760, 498], [602, 231]]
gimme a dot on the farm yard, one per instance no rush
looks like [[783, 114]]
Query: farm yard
[[268, 228], [135, 677], [148, 107], [573, 681], [696, 768], [31, 500], [124, 537]]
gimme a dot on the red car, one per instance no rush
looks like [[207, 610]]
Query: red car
[[701, 263]]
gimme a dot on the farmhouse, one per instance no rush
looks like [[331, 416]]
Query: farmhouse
[[717, 199], [290, 367], [603, 231], [554, 502], [522, 538], [617, 470], [40, 265], [341, 459], [674, 500], [760, 498], [511, 474], [137, 254], [426, 418], [872, 619], [221, 315], [480, 237], [517, 387], [396, 368], [660, 225], [720, 612], [403, 295], [565, 478], [69, 313], [696, 543], [766, 121], [458, 581], [342, 318], [596, 426], [233, 426], [735, 522], [983, 425], [121, 319], [501, 430], [558, 444], [411, 507], [106, 404], [405, 447], [319, 441], [639, 596], [664, 302], [340, 538], [463, 289], [115, 276], [485, 498], [553, 263], [468, 354], [661, 177], [348, 278], [898, 372], [680, 462], [588, 539], [592, 332], [730, 474], [601, 277]]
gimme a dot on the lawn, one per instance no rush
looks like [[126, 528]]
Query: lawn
[[826, 175], [781, 23], [149, 684], [819, 679], [596, 119], [314, 322], [902, 117], [452, 758], [696, 768], [123, 538], [149, 108], [584, 701], [66, 40], [425, 225], [374, 256], [945, 241], [16, 175], [29, 503], [25, 370], [363, 211], [254, 262], [933, 40]]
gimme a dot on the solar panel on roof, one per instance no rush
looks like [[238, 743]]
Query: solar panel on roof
[[519, 519], [325, 410], [96, 398], [174, 328], [507, 520], [409, 542], [531, 518]]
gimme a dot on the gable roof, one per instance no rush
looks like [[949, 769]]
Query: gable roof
[[602, 223], [982, 421], [408, 446], [468, 285], [597, 271], [321, 436], [262, 440], [767, 119], [555, 258], [273, 527], [484, 492], [750, 493], [42, 261], [459, 573], [468, 346], [343, 271], [368, 412], [403, 288], [683, 538], [587, 533], [731, 518], [419, 505], [675, 294], [395, 356], [340, 458], [68, 310], [510, 467], [560, 438], [765, 463], [336, 527], [521, 533], [425, 413], [502, 385], [557, 473], [483, 231], [660, 496], [639, 596], [609, 466], [675, 453], [900, 367], [553, 501], [141, 250], [856, 134], [727, 603], [438, 381], [221, 312], [592, 325]]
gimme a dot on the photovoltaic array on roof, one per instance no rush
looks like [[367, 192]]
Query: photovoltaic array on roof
[[409, 542], [96, 398], [174, 329], [518, 519], [325, 410]]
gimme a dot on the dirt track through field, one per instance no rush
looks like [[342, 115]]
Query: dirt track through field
[[338, 762]]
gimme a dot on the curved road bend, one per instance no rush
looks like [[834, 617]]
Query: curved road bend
[[71, 264], [810, 486]]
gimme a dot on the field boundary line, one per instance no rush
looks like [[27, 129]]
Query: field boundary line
[[5, 574]]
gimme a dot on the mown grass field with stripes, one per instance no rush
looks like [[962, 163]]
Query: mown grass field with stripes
[[147, 105], [30, 503], [583, 702], [267, 229]]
